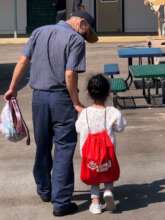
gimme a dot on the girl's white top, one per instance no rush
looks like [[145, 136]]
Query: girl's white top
[[115, 122]]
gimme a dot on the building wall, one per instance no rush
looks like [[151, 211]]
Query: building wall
[[89, 5], [138, 17], [7, 16]]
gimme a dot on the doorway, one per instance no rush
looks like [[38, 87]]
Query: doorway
[[109, 16], [40, 12]]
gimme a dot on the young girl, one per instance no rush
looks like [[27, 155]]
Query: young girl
[[98, 117]]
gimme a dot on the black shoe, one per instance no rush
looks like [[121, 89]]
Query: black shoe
[[45, 198], [70, 209]]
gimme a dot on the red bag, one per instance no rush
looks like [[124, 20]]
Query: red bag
[[99, 162], [20, 126]]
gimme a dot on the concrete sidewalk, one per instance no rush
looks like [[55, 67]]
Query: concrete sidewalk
[[102, 39]]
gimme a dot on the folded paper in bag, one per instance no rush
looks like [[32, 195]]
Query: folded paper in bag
[[12, 124]]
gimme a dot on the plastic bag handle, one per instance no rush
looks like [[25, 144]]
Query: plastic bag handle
[[14, 105]]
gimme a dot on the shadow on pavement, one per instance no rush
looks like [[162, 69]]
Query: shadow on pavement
[[135, 196], [6, 72], [129, 197], [84, 197]]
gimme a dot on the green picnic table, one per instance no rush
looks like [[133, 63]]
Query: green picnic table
[[150, 71]]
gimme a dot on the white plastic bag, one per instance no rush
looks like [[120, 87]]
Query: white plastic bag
[[12, 124], [6, 123]]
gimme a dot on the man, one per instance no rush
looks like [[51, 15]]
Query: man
[[57, 55]]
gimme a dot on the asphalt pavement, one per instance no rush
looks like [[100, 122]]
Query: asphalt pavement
[[140, 191]]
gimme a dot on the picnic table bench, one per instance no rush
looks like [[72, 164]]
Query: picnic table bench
[[153, 72], [117, 84], [139, 52]]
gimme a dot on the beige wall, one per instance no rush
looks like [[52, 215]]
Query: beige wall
[[7, 16], [138, 17]]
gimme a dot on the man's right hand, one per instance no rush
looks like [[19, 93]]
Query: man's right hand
[[10, 93]]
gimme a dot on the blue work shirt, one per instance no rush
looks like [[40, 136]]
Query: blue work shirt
[[52, 50]]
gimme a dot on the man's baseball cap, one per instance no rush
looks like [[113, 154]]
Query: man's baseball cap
[[91, 37]]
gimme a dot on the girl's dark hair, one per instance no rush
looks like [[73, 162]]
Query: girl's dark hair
[[98, 88]]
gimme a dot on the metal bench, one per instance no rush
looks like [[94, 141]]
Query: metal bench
[[117, 84], [151, 72], [111, 69]]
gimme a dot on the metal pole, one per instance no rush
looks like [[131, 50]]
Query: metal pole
[[159, 25], [15, 19]]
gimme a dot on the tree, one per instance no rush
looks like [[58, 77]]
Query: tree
[[155, 6]]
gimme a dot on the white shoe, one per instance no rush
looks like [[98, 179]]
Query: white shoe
[[95, 208], [109, 201]]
